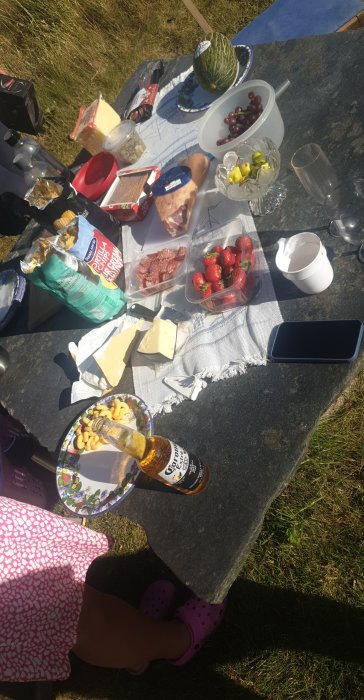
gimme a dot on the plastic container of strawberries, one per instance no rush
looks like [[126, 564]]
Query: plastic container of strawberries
[[238, 293]]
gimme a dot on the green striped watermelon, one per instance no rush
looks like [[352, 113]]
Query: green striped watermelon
[[215, 63]]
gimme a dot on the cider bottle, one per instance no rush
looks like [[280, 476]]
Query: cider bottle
[[156, 456]]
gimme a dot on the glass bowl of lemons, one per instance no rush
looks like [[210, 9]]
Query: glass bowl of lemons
[[249, 172]]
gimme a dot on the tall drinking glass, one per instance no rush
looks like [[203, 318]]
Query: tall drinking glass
[[346, 206], [343, 200], [314, 171]]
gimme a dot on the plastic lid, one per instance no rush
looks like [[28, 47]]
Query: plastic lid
[[120, 133], [172, 180]]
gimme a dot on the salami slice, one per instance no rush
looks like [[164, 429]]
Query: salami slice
[[159, 267]]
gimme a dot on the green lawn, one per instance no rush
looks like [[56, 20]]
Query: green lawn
[[294, 624], [292, 629]]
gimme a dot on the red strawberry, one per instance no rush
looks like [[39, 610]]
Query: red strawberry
[[205, 290], [197, 280], [238, 259], [227, 271], [218, 286], [244, 244], [250, 258], [227, 257], [229, 299], [213, 273], [210, 258], [238, 278], [217, 249]]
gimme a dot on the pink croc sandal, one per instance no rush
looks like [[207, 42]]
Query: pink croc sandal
[[201, 620], [157, 601]]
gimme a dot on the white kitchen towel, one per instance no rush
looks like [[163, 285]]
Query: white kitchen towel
[[209, 346]]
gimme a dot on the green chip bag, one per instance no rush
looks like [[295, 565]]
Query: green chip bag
[[72, 282]]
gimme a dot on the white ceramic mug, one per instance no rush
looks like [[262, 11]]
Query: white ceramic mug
[[303, 260]]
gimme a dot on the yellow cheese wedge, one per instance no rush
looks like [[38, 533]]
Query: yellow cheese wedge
[[94, 124], [160, 339], [114, 355]]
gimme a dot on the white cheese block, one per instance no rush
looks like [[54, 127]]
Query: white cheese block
[[113, 355], [94, 124], [160, 340]]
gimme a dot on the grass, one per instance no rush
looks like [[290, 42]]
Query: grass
[[292, 629], [73, 49]]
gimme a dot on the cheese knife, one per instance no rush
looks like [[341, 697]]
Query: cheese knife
[[167, 313]]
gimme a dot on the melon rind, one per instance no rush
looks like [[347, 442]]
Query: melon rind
[[215, 67]]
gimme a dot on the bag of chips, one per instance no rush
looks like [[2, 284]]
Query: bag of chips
[[73, 282], [80, 237]]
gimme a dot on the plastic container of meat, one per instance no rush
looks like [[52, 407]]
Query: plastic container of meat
[[175, 193], [155, 269]]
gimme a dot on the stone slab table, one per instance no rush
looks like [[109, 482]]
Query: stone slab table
[[252, 429]]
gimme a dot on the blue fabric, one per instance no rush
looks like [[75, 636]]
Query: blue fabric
[[292, 19]]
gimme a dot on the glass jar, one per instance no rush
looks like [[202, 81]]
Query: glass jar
[[124, 143]]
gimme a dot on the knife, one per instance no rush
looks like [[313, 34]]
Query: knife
[[164, 312]]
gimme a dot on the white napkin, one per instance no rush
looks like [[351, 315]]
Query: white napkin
[[92, 381], [211, 347]]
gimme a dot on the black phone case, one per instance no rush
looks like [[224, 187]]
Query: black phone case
[[274, 357]]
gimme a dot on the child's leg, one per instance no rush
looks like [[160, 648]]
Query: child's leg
[[111, 633]]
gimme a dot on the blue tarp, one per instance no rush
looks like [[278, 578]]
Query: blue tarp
[[292, 19]]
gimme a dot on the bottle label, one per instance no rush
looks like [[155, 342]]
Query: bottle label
[[183, 470]]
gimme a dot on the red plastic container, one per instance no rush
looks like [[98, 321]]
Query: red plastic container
[[95, 177]]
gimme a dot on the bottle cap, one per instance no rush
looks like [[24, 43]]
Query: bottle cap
[[11, 137]]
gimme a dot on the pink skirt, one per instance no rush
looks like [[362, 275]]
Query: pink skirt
[[43, 563]]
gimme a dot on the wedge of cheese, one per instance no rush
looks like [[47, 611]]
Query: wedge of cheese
[[94, 124], [113, 356], [160, 340]]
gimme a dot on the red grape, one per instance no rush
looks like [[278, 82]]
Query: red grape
[[242, 118]]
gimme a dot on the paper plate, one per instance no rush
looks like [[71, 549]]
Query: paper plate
[[193, 98], [91, 482], [12, 288]]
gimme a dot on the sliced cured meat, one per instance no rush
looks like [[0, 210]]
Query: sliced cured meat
[[181, 253], [166, 254], [159, 267]]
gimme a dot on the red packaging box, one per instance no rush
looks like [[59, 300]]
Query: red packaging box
[[129, 198]]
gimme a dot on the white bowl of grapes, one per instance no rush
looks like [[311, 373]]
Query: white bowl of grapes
[[248, 110]]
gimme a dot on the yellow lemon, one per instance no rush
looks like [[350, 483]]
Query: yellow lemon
[[245, 169], [235, 176], [258, 158]]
